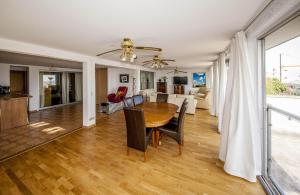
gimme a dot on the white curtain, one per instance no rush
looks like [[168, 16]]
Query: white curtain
[[211, 87], [222, 87], [239, 148], [78, 86], [215, 94]]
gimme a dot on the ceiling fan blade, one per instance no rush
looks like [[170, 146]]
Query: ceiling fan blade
[[170, 72], [109, 51], [145, 64], [164, 63], [168, 60], [181, 71], [148, 61], [148, 48]]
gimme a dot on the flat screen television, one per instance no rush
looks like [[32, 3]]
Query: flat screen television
[[180, 80]]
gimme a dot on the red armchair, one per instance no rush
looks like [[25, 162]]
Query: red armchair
[[119, 96]]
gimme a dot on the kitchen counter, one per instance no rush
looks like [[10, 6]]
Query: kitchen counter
[[13, 96], [13, 111]]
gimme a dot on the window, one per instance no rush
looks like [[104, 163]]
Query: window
[[147, 80], [282, 76]]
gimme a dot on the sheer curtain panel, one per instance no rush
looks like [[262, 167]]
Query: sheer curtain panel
[[239, 148], [222, 87]]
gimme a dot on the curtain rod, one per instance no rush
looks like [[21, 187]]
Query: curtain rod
[[255, 17], [227, 50]]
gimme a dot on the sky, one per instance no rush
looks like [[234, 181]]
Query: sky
[[290, 55]]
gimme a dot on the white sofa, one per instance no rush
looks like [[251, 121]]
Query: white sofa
[[203, 101], [203, 97], [178, 100]]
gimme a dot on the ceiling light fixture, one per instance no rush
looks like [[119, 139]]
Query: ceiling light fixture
[[127, 49], [157, 62]]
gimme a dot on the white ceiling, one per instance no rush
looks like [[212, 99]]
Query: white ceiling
[[193, 32]]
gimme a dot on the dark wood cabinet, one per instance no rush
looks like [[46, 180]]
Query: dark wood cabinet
[[178, 89], [162, 87]]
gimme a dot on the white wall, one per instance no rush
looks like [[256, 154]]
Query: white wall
[[113, 76], [4, 74], [189, 74], [33, 74], [33, 86], [89, 89], [39, 50]]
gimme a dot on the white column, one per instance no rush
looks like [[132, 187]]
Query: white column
[[89, 101], [137, 76], [34, 88]]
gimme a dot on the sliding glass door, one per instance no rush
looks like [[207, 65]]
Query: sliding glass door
[[57, 88], [282, 119], [50, 89], [74, 87]]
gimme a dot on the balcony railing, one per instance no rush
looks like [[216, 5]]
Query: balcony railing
[[283, 155]]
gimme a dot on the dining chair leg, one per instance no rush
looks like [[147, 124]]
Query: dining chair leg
[[153, 138], [145, 156], [179, 149]]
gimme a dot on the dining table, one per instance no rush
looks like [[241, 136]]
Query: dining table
[[157, 114]]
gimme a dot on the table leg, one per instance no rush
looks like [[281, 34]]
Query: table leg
[[157, 137], [153, 137]]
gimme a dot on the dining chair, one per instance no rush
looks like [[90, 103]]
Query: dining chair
[[162, 97], [128, 102], [137, 99], [174, 129], [175, 119], [138, 135]]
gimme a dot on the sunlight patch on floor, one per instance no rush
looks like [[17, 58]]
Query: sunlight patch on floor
[[52, 130], [38, 124]]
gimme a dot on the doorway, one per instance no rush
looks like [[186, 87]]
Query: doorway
[[101, 85], [18, 80]]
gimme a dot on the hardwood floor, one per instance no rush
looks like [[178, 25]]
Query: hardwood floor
[[44, 126], [94, 161]]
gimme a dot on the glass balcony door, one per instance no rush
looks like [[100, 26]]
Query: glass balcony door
[[282, 97]]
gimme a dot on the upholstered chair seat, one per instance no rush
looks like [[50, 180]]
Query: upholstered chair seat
[[119, 96], [138, 99], [128, 102]]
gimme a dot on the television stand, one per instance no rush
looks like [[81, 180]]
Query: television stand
[[178, 89]]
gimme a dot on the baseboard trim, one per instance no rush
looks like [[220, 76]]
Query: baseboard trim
[[88, 127]]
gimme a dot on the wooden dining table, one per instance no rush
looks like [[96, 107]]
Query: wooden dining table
[[157, 114]]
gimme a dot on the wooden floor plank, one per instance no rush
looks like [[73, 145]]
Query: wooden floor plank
[[44, 126], [94, 161]]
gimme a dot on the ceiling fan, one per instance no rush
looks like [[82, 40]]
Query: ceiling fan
[[127, 49], [156, 62], [176, 71]]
